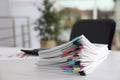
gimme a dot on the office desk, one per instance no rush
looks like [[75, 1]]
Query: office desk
[[27, 70]]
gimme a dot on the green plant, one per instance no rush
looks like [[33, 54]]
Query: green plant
[[48, 24]]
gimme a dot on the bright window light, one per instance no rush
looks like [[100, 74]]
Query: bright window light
[[103, 5]]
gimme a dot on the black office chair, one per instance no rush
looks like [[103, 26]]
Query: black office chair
[[97, 31]]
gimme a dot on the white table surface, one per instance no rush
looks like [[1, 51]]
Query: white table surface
[[26, 69]]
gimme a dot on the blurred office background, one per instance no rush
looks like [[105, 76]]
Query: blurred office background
[[17, 18]]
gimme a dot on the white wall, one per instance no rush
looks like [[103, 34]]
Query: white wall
[[4, 33], [4, 8], [27, 8]]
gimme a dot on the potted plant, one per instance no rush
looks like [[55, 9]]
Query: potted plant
[[48, 25]]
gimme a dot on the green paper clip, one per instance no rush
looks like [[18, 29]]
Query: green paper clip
[[71, 46], [69, 70], [75, 39]]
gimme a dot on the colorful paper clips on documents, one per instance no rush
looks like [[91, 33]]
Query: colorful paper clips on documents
[[78, 55]]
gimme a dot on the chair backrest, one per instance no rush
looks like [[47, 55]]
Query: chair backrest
[[97, 31]]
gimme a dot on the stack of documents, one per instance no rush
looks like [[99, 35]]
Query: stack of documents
[[78, 55]]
